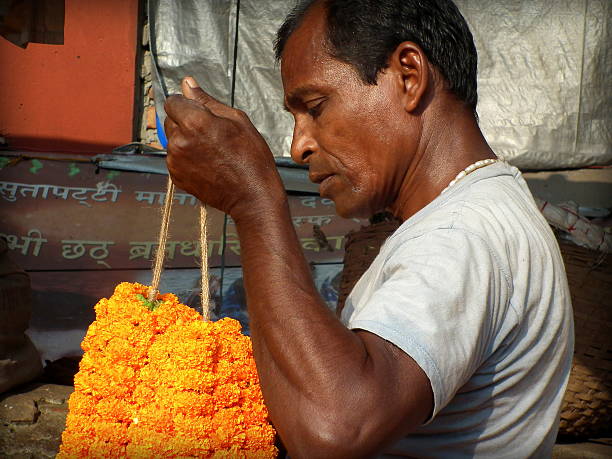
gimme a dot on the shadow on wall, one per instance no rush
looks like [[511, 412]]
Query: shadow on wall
[[578, 186], [61, 310], [59, 322], [32, 21], [54, 144]]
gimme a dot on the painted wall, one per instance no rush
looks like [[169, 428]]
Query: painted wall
[[79, 232], [75, 97]]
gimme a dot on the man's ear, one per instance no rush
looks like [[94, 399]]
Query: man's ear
[[412, 67]]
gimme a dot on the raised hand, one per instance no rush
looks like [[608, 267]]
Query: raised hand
[[216, 154]]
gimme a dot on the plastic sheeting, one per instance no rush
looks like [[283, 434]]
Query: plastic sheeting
[[544, 66]]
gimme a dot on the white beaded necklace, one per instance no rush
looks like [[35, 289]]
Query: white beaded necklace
[[471, 168]]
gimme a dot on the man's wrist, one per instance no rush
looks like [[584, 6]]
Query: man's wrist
[[269, 205]]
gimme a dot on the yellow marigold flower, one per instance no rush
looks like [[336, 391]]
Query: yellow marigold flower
[[164, 383]]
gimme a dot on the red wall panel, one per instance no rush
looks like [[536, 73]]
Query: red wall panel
[[75, 97]]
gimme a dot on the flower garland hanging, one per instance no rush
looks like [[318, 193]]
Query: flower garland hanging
[[158, 381]]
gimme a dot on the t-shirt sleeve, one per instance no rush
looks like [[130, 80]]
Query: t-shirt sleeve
[[441, 300]]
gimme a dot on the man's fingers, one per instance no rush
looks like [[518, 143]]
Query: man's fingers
[[191, 90], [184, 112], [169, 127]]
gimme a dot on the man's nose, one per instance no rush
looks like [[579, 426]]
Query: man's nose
[[303, 144]]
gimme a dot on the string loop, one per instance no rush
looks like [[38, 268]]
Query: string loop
[[158, 264]]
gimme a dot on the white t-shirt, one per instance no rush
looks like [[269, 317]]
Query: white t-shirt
[[473, 288]]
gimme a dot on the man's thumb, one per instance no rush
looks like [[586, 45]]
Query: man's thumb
[[191, 90]]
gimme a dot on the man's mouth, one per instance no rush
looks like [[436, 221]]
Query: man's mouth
[[324, 179], [319, 177], [325, 184]]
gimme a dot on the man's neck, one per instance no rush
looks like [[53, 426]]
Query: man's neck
[[451, 140]]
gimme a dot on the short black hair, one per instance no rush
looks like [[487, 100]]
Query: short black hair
[[364, 34]]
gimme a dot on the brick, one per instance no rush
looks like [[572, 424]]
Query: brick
[[150, 114]]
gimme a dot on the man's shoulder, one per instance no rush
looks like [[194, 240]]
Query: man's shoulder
[[493, 201], [493, 215]]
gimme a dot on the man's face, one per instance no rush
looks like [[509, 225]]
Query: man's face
[[353, 136]]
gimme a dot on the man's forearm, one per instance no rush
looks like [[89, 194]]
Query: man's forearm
[[287, 314], [304, 354]]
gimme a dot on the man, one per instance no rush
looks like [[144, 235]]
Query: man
[[457, 341]]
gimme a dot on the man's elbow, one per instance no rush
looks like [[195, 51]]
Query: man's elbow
[[330, 438]]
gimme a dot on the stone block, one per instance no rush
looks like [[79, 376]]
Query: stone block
[[20, 409], [150, 115], [32, 420]]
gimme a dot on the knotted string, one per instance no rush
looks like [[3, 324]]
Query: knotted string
[[158, 265]]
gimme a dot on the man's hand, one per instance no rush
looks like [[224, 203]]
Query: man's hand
[[216, 154]]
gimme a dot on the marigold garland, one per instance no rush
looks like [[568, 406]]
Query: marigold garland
[[158, 381]]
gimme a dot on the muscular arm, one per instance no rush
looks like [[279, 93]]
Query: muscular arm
[[331, 392]]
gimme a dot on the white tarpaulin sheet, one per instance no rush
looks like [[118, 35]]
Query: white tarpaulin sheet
[[545, 96]]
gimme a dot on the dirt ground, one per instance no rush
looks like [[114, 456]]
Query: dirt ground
[[32, 419]]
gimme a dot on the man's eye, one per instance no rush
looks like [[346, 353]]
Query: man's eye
[[315, 110]]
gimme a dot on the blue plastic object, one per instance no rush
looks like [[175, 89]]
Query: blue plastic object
[[161, 135]]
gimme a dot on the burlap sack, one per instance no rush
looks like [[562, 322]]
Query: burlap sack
[[19, 359]]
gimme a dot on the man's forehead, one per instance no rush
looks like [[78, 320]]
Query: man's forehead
[[311, 29], [305, 49]]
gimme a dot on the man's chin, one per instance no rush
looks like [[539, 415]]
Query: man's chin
[[351, 210]]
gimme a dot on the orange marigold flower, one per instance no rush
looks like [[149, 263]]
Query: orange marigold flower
[[254, 413], [185, 427], [164, 383], [259, 436], [157, 417], [143, 394], [82, 404], [226, 395], [101, 449], [110, 432], [75, 444], [115, 409], [226, 424]]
